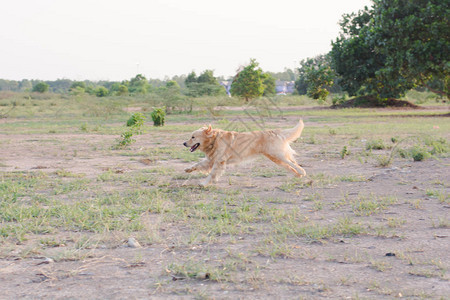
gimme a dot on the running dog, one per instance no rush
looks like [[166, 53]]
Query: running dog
[[229, 147]]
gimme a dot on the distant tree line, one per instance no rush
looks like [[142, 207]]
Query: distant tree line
[[191, 85]]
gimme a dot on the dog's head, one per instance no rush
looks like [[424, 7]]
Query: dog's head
[[201, 138]]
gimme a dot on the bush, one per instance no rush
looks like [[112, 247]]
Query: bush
[[344, 152], [438, 146], [375, 145], [101, 91], [135, 123], [136, 120], [420, 153], [158, 116], [41, 87]]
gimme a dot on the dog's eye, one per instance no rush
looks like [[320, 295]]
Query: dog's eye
[[193, 137]]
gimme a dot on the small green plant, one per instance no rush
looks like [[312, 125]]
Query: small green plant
[[384, 160], [344, 152], [158, 116], [136, 120], [438, 146], [375, 145], [337, 100], [420, 153], [126, 139], [134, 124], [84, 127]]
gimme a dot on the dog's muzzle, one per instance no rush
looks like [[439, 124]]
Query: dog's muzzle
[[193, 148]]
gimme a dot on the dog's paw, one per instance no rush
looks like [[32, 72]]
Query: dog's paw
[[189, 170]]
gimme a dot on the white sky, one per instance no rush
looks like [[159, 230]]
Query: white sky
[[113, 40]]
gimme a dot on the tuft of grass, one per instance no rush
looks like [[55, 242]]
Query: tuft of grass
[[377, 144], [366, 205], [419, 153], [380, 266]]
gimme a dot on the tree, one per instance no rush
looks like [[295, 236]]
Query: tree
[[122, 90], [248, 83], [77, 88], [171, 84], [269, 84], [315, 77], [191, 78], [207, 77], [205, 84], [392, 47], [139, 85], [41, 87], [101, 91]]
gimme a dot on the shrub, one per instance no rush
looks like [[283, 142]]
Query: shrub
[[136, 120], [101, 91], [158, 116], [375, 145], [134, 124], [344, 152], [419, 153], [41, 87], [438, 146]]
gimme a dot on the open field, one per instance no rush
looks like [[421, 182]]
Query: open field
[[367, 222]]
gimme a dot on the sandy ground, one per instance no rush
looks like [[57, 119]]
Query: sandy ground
[[409, 260]]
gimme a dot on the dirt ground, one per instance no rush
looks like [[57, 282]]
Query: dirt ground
[[402, 253]]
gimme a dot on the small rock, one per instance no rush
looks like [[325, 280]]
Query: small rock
[[132, 243], [202, 275], [47, 260], [390, 254]]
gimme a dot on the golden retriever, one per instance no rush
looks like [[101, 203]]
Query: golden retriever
[[229, 147]]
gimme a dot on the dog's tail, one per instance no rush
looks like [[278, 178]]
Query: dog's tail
[[293, 133]]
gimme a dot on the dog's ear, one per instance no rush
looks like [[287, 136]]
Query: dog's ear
[[208, 130]]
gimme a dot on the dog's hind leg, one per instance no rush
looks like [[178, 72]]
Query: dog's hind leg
[[288, 163]]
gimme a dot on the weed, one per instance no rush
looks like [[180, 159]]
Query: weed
[[136, 120], [344, 152], [438, 146], [384, 160], [380, 266], [377, 144], [419, 153], [158, 116], [366, 205], [135, 123]]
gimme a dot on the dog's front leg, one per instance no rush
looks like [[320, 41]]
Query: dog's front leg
[[203, 166], [216, 171]]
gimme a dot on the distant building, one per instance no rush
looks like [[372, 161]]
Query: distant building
[[227, 86], [284, 87]]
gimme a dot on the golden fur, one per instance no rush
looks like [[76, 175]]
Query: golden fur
[[230, 147]]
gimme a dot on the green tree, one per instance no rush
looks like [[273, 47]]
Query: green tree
[[269, 84], [205, 84], [207, 77], [248, 83], [316, 77], [41, 87], [191, 78], [139, 85], [101, 91], [171, 84], [122, 90], [77, 88], [392, 47]]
